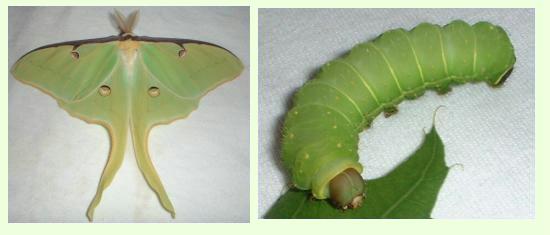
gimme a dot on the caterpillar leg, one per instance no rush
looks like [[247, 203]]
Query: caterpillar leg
[[442, 90], [390, 111]]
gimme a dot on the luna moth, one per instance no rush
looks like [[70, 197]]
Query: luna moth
[[128, 84], [320, 131]]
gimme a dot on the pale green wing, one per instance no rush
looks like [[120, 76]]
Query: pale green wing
[[74, 77], [171, 79], [65, 72], [184, 73], [105, 81]]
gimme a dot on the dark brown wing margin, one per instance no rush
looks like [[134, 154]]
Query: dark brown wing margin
[[78, 43]]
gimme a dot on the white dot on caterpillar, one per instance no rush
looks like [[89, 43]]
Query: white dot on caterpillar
[[306, 156], [339, 145], [291, 135], [328, 112], [334, 126], [295, 112]]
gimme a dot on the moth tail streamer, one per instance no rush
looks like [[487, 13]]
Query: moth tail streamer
[[116, 157], [140, 134]]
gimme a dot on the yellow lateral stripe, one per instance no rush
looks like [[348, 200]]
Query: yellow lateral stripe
[[415, 56], [443, 52], [475, 54], [341, 92], [389, 66], [363, 80]]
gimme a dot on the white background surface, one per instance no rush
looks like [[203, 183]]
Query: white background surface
[[489, 132], [55, 160]]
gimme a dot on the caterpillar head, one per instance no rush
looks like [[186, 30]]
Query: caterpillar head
[[347, 189]]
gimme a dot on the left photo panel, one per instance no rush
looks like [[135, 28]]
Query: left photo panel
[[133, 114]]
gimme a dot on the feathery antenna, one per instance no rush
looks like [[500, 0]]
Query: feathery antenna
[[126, 24]]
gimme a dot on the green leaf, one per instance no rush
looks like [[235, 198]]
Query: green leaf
[[408, 191]]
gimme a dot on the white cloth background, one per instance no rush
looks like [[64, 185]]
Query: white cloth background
[[490, 132], [55, 160]]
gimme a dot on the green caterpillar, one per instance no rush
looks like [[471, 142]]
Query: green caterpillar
[[320, 134]]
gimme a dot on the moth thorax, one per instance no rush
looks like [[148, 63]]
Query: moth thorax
[[129, 50]]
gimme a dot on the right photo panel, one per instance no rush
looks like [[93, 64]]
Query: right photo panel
[[396, 113]]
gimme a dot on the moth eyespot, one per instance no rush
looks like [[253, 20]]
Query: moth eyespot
[[182, 53], [154, 91], [104, 90], [75, 55]]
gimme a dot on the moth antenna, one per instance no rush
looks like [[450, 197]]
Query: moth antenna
[[126, 24], [120, 21], [131, 21]]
